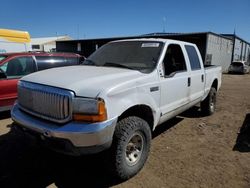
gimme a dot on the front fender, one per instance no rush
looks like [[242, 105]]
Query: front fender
[[119, 103], [138, 91]]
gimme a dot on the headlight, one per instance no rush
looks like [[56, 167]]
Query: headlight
[[89, 110]]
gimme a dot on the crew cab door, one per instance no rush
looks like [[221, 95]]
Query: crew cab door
[[14, 69], [175, 83], [197, 76]]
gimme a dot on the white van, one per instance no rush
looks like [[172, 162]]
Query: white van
[[14, 41]]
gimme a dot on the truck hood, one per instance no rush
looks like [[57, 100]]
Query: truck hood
[[85, 81]]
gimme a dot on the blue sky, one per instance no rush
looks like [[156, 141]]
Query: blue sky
[[111, 18]]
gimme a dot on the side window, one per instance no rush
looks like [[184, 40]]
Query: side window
[[42, 62], [72, 60], [47, 62], [174, 60], [28, 65], [18, 67], [193, 58]]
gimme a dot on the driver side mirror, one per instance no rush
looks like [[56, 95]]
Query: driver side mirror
[[2, 74]]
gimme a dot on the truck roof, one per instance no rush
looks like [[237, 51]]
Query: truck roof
[[155, 40]]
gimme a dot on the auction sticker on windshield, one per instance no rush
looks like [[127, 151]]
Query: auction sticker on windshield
[[152, 45]]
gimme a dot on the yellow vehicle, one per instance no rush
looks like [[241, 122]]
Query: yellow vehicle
[[14, 41]]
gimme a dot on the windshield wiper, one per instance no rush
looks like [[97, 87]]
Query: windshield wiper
[[117, 65]]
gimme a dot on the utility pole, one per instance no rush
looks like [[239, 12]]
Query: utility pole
[[78, 31], [164, 24]]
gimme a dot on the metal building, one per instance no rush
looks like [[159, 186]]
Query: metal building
[[47, 44], [215, 49], [241, 48], [219, 51]]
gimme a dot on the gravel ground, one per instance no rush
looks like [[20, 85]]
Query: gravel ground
[[187, 151]]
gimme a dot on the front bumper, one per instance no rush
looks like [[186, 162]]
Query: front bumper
[[78, 137]]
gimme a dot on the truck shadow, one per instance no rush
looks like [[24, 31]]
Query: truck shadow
[[166, 126], [23, 163], [193, 112], [243, 140]]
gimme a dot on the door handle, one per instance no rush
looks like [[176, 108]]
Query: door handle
[[189, 81], [202, 78]]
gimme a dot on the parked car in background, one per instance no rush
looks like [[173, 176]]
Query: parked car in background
[[239, 67], [15, 65]]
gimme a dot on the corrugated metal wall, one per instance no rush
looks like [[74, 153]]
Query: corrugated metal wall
[[215, 49], [219, 50], [241, 51]]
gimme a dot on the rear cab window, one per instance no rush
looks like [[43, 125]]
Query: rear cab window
[[46, 62], [72, 60]]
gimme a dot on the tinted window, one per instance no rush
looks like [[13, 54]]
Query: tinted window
[[72, 60], [193, 57], [46, 62], [174, 60], [19, 67]]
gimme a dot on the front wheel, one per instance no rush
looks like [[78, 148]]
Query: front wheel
[[130, 148], [208, 105]]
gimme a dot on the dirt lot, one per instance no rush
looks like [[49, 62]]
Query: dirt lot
[[188, 151]]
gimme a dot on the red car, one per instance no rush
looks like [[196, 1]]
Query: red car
[[15, 65]]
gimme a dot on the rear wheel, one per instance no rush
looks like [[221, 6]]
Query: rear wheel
[[208, 105], [130, 148]]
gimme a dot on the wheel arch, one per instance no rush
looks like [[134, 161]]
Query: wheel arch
[[142, 111], [215, 84]]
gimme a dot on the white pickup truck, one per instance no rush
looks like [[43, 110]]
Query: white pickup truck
[[116, 99]]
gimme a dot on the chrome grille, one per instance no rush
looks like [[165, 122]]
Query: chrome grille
[[46, 102]]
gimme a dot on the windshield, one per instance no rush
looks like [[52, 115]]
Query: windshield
[[2, 57], [137, 55], [237, 64]]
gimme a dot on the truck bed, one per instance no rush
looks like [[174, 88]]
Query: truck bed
[[212, 72]]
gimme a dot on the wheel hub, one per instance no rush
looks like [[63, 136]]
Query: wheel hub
[[212, 103], [134, 149]]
